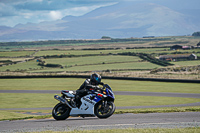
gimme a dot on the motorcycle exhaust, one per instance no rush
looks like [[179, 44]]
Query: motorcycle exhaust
[[62, 100]]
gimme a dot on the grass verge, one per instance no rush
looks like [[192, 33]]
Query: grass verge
[[26, 100], [28, 117], [21, 115], [159, 110], [33, 100], [132, 130]]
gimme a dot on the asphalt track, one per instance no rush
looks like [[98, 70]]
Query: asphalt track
[[163, 94], [151, 120]]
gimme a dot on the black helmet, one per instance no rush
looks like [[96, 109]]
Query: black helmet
[[95, 78]]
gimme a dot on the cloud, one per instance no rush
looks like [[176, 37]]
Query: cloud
[[55, 15], [13, 12], [6, 10]]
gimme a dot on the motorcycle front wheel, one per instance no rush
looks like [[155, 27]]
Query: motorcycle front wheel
[[61, 111], [103, 112]]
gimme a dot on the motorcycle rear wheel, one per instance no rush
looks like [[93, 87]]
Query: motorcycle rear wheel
[[104, 112], [61, 111]]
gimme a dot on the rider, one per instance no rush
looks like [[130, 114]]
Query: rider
[[92, 83]]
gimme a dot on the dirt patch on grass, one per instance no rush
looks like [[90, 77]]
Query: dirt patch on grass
[[137, 74]]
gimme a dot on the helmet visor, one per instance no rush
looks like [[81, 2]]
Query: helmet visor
[[98, 79]]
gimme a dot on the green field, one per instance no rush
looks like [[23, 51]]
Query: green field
[[79, 61], [90, 63], [90, 68], [155, 51], [70, 52], [92, 60], [134, 65], [30, 65], [86, 52], [16, 53], [187, 63], [117, 85]]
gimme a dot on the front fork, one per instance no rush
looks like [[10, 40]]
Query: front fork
[[104, 106]]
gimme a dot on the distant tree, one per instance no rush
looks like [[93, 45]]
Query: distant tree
[[196, 33], [105, 37]]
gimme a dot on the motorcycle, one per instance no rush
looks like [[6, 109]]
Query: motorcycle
[[98, 102]]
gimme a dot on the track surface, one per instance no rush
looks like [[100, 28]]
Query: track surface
[[152, 120], [165, 94], [188, 95]]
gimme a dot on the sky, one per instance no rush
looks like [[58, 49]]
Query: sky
[[13, 12]]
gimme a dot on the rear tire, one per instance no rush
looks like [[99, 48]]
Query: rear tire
[[61, 111], [106, 112]]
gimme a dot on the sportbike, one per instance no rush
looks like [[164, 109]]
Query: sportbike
[[98, 102]]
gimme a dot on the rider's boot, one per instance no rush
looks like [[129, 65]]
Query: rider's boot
[[73, 102], [77, 101]]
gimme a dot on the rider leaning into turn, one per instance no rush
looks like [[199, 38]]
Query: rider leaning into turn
[[92, 83]]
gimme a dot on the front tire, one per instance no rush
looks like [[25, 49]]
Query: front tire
[[61, 111], [104, 112]]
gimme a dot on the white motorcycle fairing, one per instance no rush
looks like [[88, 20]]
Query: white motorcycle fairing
[[87, 106]]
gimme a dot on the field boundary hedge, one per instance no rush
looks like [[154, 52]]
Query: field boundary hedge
[[103, 77]]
